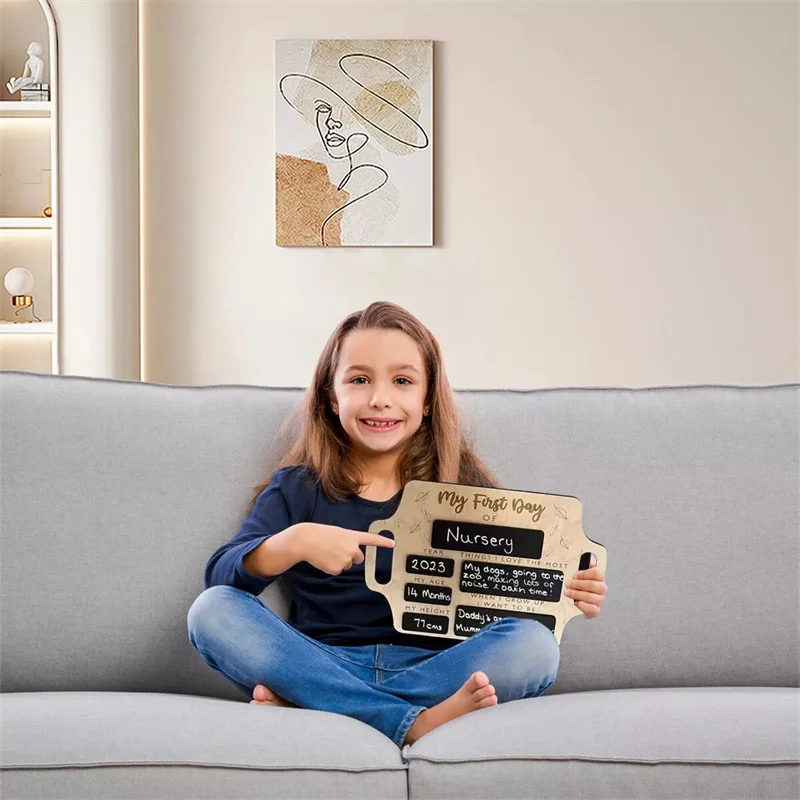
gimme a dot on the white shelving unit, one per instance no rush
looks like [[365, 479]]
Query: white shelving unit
[[33, 346]]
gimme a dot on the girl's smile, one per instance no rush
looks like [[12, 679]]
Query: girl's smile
[[379, 425]]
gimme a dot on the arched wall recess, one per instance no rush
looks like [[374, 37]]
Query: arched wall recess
[[33, 345]]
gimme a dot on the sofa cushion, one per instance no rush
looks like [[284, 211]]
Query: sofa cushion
[[115, 493], [740, 742], [131, 744]]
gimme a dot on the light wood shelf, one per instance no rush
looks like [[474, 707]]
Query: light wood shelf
[[18, 109], [27, 328], [26, 223]]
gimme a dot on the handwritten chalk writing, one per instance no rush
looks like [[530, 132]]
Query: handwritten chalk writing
[[429, 623], [470, 619], [455, 536], [501, 579], [421, 593], [429, 565], [477, 537]]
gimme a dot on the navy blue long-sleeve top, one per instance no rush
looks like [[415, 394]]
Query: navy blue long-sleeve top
[[333, 609]]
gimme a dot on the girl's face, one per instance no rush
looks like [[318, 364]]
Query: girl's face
[[380, 387]]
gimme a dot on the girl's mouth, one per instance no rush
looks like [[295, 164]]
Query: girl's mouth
[[375, 426]]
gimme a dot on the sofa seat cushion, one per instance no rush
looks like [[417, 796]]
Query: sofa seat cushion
[[714, 742], [136, 744]]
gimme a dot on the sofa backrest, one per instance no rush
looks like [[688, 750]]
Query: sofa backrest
[[113, 494]]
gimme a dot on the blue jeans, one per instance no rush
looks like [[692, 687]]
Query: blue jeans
[[384, 685]]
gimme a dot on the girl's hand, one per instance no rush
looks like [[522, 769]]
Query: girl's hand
[[333, 549], [589, 589]]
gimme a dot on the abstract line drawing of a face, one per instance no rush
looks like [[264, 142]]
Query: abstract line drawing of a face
[[327, 126], [359, 110]]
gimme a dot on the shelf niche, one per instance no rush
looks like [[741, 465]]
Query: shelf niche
[[29, 172]]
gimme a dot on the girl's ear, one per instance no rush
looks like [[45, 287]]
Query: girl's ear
[[331, 398]]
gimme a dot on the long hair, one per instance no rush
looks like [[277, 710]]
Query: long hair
[[438, 451]]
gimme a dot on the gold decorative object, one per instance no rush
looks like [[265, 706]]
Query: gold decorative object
[[47, 188], [19, 283], [466, 555], [48, 212]]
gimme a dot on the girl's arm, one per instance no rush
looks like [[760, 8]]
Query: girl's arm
[[270, 518], [276, 554]]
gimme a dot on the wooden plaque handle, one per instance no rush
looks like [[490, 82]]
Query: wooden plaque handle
[[370, 559]]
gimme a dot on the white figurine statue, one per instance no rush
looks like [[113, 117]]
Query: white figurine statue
[[34, 69]]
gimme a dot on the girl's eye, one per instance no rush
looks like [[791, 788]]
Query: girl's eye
[[362, 378]]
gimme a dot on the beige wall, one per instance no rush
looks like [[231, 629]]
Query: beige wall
[[616, 196], [99, 144]]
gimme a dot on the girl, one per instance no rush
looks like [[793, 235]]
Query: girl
[[379, 412]]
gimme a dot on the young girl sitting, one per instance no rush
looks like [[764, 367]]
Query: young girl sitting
[[378, 413]]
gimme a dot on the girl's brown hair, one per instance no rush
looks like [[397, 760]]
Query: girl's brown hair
[[438, 450]]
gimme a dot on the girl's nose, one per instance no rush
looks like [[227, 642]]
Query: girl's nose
[[333, 123], [380, 399]]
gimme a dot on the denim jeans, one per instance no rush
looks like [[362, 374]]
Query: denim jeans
[[384, 685]]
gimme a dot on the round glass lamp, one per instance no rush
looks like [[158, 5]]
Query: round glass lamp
[[19, 282]]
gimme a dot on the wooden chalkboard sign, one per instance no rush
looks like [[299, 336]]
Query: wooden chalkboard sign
[[467, 555]]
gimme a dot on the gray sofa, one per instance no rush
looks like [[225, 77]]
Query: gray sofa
[[115, 493]]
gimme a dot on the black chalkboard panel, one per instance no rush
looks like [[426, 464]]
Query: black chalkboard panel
[[431, 595], [430, 565], [470, 619], [477, 537], [511, 580], [425, 623]]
